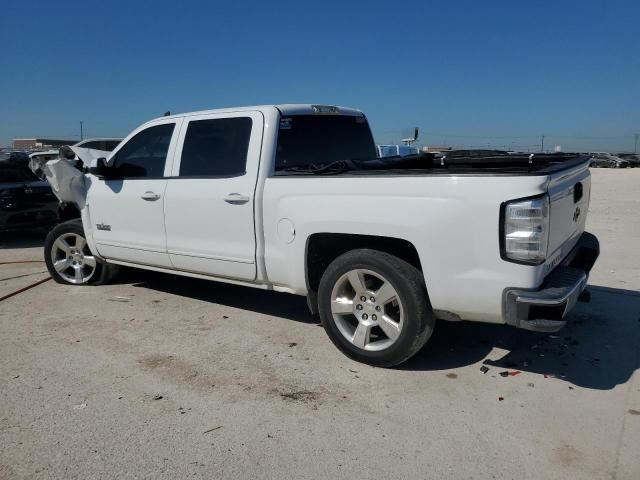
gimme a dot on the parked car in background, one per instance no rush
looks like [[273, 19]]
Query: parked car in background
[[474, 152], [632, 158], [38, 159], [104, 144], [396, 150], [18, 158], [26, 202], [607, 160]]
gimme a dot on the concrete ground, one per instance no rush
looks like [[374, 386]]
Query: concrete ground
[[158, 376]]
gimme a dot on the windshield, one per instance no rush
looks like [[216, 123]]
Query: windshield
[[305, 140]]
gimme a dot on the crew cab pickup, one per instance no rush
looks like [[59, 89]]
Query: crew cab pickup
[[293, 198]]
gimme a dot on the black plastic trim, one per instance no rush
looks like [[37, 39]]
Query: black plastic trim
[[177, 177], [443, 172]]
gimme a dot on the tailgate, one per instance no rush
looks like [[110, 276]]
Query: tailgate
[[569, 201]]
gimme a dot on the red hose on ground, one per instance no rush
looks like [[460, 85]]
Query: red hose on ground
[[22, 261], [9, 295], [35, 284]]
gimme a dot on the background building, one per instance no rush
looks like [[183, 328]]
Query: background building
[[40, 143]]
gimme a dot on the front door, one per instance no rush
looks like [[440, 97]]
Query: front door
[[127, 206], [209, 204]]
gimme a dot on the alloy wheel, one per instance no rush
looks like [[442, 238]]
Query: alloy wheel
[[367, 309], [72, 259]]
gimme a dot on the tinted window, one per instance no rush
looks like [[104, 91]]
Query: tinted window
[[145, 154], [110, 145], [8, 175], [216, 148], [322, 139], [106, 145]]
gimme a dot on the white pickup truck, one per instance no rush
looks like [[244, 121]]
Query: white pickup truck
[[293, 198]]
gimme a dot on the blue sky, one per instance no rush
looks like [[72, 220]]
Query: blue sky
[[467, 72]]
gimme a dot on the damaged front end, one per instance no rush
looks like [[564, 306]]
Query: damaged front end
[[66, 174]]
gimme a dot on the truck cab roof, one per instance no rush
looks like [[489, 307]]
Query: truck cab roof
[[285, 109]]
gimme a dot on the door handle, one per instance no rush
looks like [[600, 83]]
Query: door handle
[[150, 196], [236, 199]]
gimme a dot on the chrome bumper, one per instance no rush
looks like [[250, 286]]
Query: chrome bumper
[[545, 309]]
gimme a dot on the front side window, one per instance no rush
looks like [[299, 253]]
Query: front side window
[[216, 147], [145, 154]]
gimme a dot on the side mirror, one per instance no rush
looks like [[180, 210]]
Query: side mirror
[[100, 170]]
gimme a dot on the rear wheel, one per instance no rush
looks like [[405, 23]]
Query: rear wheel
[[69, 259], [374, 307]]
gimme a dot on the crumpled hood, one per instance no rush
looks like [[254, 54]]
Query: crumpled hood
[[87, 155], [67, 180]]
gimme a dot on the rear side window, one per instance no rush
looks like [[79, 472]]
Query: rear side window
[[304, 140], [145, 154], [216, 147]]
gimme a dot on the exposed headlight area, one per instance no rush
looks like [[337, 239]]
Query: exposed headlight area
[[524, 232]]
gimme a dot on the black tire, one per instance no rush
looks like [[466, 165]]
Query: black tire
[[408, 282], [102, 273]]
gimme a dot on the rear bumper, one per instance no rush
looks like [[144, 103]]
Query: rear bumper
[[545, 309]]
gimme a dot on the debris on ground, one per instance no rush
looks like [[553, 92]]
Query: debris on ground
[[511, 373], [225, 316], [158, 397], [451, 375], [119, 299], [80, 406], [353, 371], [301, 395], [500, 399], [212, 429], [292, 344], [530, 384], [484, 369]]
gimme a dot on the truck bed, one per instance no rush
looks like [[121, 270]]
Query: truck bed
[[450, 163]]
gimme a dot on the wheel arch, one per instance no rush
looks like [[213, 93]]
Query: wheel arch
[[322, 248]]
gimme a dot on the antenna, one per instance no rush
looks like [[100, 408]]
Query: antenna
[[409, 141]]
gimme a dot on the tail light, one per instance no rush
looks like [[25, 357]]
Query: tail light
[[525, 230]]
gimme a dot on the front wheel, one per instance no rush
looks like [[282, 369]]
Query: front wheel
[[374, 307], [68, 257]]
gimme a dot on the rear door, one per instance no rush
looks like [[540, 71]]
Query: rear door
[[209, 203], [127, 206]]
